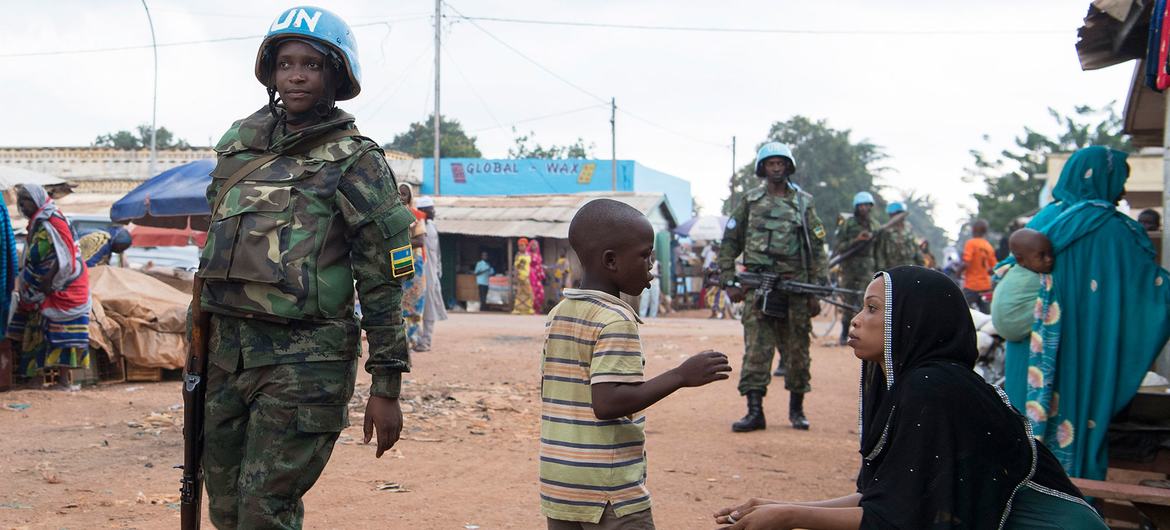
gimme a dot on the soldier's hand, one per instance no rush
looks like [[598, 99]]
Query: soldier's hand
[[735, 293], [384, 415], [702, 368], [864, 236], [814, 306]]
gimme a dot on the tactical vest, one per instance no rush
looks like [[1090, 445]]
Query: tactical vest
[[775, 232], [277, 245]]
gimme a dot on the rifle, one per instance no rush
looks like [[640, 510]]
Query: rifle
[[858, 246], [194, 396], [766, 282]]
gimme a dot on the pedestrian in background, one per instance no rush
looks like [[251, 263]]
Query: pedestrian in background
[[978, 261], [855, 231], [435, 306], [536, 276], [895, 245], [483, 274], [414, 289], [50, 327], [521, 285]]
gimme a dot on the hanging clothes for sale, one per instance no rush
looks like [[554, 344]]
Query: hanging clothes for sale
[[1158, 47]]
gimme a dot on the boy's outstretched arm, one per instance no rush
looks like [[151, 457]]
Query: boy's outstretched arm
[[614, 400]]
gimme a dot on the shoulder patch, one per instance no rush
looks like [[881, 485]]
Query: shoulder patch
[[731, 223], [402, 261], [819, 231]]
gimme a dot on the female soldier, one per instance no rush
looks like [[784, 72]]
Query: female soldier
[[302, 207]]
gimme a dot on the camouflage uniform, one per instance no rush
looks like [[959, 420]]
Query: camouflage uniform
[[769, 231], [895, 247], [856, 270], [282, 255]]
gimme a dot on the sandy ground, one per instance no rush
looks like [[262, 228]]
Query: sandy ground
[[103, 457]]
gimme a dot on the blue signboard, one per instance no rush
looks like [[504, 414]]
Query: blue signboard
[[527, 176]]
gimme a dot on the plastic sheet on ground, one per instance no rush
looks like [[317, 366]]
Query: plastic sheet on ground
[[138, 317]]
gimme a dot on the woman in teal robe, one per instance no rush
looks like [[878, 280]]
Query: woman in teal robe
[[1102, 315]]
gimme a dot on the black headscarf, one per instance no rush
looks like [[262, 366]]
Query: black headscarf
[[940, 447]]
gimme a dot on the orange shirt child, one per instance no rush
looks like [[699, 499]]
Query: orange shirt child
[[979, 256]]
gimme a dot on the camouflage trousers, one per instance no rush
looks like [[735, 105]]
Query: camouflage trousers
[[268, 433], [763, 335], [857, 282]]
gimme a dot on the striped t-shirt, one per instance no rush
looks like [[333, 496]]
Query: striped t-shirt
[[586, 463]]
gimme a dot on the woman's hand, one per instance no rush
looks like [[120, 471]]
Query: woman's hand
[[721, 515], [773, 516]]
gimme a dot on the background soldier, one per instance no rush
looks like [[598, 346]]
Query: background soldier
[[856, 270], [777, 231], [303, 207], [896, 245]]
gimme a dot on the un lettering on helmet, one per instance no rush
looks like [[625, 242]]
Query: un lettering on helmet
[[297, 17]]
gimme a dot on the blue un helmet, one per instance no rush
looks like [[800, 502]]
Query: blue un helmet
[[895, 207], [317, 27], [770, 150], [862, 197]]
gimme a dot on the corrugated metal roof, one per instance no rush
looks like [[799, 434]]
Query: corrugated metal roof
[[1115, 31], [526, 215]]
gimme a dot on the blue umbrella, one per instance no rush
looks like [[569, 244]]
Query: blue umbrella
[[175, 198]]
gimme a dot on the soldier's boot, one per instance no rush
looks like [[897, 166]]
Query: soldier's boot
[[780, 370], [754, 420], [796, 411]]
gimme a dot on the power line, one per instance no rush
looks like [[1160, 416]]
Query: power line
[[466, 81], [541, 117], [559, 77], [171, 44], [780, 31], [577, 87], [402, 77], [672, 131]]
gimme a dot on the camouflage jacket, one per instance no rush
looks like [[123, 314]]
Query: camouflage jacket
[[770, 233], [288, 242], [848, 228], [896, 247]]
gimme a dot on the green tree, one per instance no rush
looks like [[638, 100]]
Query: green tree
[[829, 165], [419, 140], [525, 146], [140, 139], [1015, 176]]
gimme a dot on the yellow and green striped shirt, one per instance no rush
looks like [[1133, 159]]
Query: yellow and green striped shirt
[[587, 463]]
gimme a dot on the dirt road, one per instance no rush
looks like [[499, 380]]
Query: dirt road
[[102, 458]]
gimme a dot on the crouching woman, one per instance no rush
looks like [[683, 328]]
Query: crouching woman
[[940, 447]]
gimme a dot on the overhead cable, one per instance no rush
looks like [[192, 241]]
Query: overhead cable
[[781, 31]]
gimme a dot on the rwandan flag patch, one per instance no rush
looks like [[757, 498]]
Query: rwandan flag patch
[[402, 261]]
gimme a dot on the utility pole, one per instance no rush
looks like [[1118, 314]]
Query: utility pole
[[613, 140], [154, 106], [437, 116], [733, 160]]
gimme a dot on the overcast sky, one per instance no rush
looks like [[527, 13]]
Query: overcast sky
[[916, 77]]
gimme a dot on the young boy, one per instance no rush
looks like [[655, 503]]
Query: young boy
[[592, 462]]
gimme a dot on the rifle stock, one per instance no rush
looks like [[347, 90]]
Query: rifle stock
[[194, 395]]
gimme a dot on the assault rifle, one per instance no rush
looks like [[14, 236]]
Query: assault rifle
[[766, 282], [858, 246], [194, 396]]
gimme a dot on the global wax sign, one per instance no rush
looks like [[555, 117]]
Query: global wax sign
[[527, 176]]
